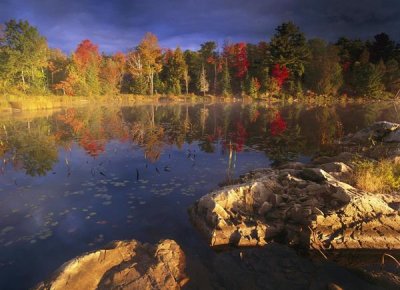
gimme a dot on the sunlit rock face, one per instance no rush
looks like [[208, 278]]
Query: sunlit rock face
[[123, 265], [306, 207]]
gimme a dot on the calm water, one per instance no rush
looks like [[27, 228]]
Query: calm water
[[74, 180]]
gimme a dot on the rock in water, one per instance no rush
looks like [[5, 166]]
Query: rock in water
[[123, 265], [303, 207], [376, 132]]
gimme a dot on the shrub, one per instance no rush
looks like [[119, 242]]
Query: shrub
[[376, 176]]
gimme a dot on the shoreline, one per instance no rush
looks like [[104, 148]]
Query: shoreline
[[42, 103]]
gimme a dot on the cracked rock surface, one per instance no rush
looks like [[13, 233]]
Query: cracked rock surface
[[123, 265], [306, 207]]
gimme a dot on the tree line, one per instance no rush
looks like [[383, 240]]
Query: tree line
[[289, 64]]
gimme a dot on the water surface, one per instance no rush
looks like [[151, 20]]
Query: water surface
[[74, 180]]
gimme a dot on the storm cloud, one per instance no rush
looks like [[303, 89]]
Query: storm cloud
[[120, 24]]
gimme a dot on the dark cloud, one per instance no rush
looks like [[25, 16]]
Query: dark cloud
[[120, 24]]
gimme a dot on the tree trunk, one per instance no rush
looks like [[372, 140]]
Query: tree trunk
[[151, 83], [215, 78], [23, 80]]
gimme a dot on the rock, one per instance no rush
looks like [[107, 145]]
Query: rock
[[386, 279], [266, 206], [366, 222], [393, 136], [313, 174], [292, 165], [123, 265], [315, 210], [333, 286], [337, 167], [344, 157], [376, 132]]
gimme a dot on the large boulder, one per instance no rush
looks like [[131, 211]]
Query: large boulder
[[123, 265], [304, 207], [379, 131]]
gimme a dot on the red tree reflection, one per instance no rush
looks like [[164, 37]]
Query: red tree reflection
[[278, 125]]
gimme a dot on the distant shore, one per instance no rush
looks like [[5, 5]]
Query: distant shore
[[17, 103]]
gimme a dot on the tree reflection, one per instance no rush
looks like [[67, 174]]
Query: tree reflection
[[32, 148], [283, 132]]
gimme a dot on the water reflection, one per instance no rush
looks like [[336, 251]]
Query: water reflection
[[282, 132], [79, 178]]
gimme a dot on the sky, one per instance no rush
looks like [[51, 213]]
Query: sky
[[119, 25]]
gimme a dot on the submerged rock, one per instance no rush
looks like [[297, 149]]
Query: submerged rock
[[123, 265], [301, 207]]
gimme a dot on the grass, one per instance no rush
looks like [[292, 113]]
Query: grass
[[27, 103], [45, 102], [376, 176]]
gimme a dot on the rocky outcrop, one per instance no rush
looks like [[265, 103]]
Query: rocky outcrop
[[379, 131], [305, 207], [123, 265]]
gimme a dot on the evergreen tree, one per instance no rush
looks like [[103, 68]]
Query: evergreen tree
[[225, 80], [367, 79], [174, 68], [288, 47], [383, 48]]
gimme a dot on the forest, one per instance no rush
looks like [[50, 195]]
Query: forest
[[288, 65]]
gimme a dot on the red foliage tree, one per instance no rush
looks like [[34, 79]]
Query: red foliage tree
[[278, 125], [280, 74], [237, 56], [241, 62], [87, 53]]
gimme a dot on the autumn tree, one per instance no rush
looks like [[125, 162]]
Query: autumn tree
[[135, 68], [280, 74], [83, 77], [150, 56], [236, 55], [56, 67], [111, 73], [23, 55]]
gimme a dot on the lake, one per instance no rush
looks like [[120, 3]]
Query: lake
[[73, 180]]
